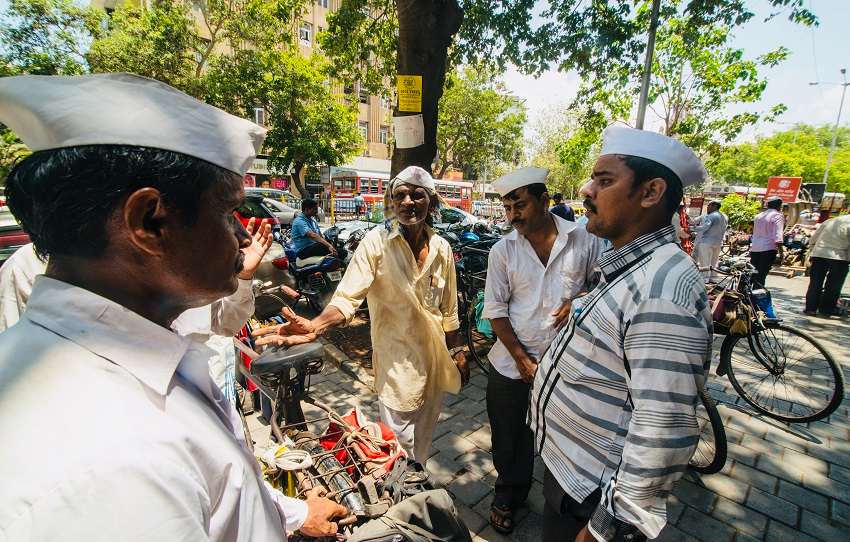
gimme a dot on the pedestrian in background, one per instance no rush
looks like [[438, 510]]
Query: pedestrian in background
[[766, 243], [710, 231], [533, 273], [562, 209], [830, 258]]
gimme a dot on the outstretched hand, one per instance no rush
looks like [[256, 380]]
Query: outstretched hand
[[261, 241], [297, 330], [320, 513]]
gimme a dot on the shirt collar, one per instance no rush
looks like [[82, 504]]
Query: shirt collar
[[613, 262], [394, 229], [146, 350]]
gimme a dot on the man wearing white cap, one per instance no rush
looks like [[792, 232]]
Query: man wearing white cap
[[407, 274], [130, 185], [533, 273], [710, 229], [613, 402]]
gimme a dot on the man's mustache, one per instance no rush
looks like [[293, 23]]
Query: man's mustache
[[589, 205]]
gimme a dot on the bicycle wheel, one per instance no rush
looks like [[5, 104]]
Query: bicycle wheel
[[784, 373], [479, 343], [710, 453]]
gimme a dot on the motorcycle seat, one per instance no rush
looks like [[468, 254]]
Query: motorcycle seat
[[312, 260], [278, 360]]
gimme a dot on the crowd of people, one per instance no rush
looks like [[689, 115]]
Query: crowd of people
[[137, 265]]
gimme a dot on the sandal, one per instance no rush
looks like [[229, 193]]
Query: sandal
[[501, 518]]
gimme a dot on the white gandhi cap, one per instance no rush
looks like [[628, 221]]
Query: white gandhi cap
[[54, 112], [667, 151], [518, 178]]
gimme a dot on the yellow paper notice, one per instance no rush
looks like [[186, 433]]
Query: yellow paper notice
[[410, 93]]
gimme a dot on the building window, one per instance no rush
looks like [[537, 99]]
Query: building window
[[305, 33], [260, 115], [364, 130], [384, 135], [348, 89], [323, 3], [364, 95], [385, 102]]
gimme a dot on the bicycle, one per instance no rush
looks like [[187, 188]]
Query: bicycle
[[711, 451], [780, 371], [471, 278], [357, 468]]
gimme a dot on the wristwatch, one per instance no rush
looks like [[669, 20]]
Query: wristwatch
[[456, 349]]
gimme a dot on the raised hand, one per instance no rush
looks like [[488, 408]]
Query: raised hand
[[261, 241]]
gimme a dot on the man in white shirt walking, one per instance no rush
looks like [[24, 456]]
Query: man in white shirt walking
[[533, 273], [126, 205], [830, 259], [710, 231]]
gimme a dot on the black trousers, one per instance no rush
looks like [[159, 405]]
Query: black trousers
[[564, 517], [825, 283], [762, 261], [513, 442]]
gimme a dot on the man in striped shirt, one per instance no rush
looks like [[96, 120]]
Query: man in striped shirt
[[613, 401]]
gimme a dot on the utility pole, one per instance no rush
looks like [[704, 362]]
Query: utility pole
[[647, 65], [844, 86]]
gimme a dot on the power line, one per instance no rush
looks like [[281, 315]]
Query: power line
[[814, 54]]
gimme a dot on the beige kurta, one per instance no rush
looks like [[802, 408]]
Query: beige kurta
[[410, 311]]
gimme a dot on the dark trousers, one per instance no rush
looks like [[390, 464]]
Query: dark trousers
[[762, 261], [513, 442], [825, 283], [318, 249], [563, 516]]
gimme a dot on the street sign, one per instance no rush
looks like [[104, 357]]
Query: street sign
[[786, 188], [410, 93], [816, 191]]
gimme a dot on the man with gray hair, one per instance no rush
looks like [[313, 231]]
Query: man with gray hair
[[710, 231], [407, 274]]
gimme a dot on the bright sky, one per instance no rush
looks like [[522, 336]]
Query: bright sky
[[816, 55]]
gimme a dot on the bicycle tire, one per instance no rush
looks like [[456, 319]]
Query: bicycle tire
[[709, 457], [477, 351], [758, 347]]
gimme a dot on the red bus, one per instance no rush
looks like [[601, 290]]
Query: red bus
[[348, 184]]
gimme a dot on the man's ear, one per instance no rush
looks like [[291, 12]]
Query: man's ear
[[653, 192], [144, 216]]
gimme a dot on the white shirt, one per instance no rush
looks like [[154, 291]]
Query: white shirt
[[113, 430], [832, 239], [211, 324], [521, 288]]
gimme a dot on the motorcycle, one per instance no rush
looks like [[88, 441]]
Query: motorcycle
[[315, 277]]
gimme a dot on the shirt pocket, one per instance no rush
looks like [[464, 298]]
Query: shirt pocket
[[436, 283]]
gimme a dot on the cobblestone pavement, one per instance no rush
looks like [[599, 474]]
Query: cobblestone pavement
[[781, 482]]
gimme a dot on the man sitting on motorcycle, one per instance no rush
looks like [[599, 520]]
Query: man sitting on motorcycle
[[307, 237]]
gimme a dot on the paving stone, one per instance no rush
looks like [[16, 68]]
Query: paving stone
[[754, 477], [477, 461], [733, 435], [675, 509], [803, 497], [805, 462], [461, 425], [536, 501], [820, 527], [474, 393], [740, 517], [471, 519], [529, 529], [539, 468], [831, 455], [490, 535], [840, 513], [726, 486], [786, 439], [775, 466], [762, 446], [741, 537], [777, 532], [837, 472], [482, 437], [827, 486], [706, 528], [823, 429], [469, 489], [742, 454], [479, 381], [694, 495], [773, 507], [443, 469]]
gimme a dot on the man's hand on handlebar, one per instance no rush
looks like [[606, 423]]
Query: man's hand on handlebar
[[320, 513], [297, 330]]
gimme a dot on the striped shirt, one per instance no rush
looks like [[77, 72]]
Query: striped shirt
[[613, 401]]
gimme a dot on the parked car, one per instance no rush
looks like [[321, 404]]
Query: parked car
[[283, 196], [255, 207], [284, 213], [12, 236], [453, 215]]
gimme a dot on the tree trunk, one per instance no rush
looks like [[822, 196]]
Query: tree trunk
[[297, 170], [425, 32]]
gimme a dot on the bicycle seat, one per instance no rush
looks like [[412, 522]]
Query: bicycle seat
[[278, 360], [313, 260]]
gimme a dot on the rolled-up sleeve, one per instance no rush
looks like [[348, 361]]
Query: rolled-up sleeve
[[358, 278], [448, 303], [497, 290], [665, 348]]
